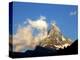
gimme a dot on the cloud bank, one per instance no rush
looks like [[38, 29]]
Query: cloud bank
[[24, 40]]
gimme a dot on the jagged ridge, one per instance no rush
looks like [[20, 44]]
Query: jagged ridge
[[55, 39]]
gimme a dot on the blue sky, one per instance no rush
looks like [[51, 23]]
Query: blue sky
[[64, 15]]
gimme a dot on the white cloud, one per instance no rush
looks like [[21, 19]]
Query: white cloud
[[73, 13], [24, 37], [42, 17], [41, 25]]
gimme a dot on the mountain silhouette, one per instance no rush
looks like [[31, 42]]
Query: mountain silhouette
[[54, 44], [73, 49], [43, 51], [39, 51]]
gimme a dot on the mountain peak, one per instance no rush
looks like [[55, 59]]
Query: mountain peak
[[55, 39]]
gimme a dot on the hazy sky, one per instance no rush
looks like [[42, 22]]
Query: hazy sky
[[65, 16]]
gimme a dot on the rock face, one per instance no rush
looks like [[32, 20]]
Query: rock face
[[55, 39]]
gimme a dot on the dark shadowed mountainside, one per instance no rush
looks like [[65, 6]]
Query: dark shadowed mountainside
[[73, 49], [42, 51], [39, 51]]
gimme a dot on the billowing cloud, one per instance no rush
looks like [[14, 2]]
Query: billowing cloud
[[41, 25], [24, 40]]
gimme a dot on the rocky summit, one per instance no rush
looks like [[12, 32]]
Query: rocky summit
[[55, 39]]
